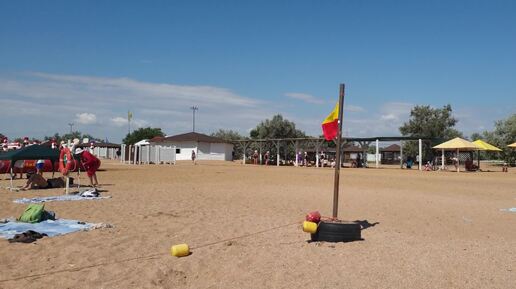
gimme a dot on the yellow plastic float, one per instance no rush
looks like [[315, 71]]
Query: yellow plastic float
[[309, 227], [180, 250]]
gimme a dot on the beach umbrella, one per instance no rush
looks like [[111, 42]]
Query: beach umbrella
[[457, 144], [484, 146], [513, 145]]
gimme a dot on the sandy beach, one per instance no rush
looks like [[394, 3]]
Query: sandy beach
[[434, 230]]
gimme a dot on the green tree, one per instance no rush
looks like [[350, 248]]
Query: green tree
[[231, 136], [142, 133], [277, 127], [71, 136], [503, 134], [428, 122]]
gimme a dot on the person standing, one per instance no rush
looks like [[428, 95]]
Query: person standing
[[255, 157], [321, 160], [267, 156], [90, 163], [193, 157]]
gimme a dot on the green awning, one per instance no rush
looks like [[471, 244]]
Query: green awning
[[32, 152]]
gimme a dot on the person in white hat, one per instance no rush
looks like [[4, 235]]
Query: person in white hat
[[90, 163], [5, 145]]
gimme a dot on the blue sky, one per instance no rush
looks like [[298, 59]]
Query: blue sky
[[89, 62]]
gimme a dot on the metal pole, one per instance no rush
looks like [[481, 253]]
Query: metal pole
[[194, 108], [337, 158]]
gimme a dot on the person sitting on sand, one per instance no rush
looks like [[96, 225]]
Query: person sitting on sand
[[37, 181], [91, 164], [40, 164]]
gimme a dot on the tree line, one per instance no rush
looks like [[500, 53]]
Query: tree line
[[424, 121]]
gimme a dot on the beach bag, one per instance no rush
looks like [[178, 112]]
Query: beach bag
[[57, 183], [33, 213]]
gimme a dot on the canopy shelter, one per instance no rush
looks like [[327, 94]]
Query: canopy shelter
[[513, 145], [484, 146], [32, 152], [457, 144], [320, 144]]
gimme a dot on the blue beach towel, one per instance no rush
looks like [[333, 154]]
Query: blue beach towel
[[49, 227], [56, 199], [513, 210]]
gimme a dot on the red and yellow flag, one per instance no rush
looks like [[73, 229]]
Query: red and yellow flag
[[330, 125]]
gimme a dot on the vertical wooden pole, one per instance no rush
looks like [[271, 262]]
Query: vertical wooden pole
[[277, 153], [260, 148], [317, 155], [401, 153], [443, 160], [337, 158], [420, 155], [296, 149], [458, 161], [377, 153]]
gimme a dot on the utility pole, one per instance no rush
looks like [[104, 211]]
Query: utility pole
[[71, 127], [194, 108]]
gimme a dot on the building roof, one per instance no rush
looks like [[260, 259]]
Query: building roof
[[392, 148], [352, 149], [192, 136], [99, 144], [157, 139]]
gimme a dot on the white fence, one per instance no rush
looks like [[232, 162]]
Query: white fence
[[148, 154], [105, 153]]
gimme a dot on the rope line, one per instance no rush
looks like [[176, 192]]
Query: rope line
[[149, 257]]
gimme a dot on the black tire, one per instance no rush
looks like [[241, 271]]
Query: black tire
[[337, 232]]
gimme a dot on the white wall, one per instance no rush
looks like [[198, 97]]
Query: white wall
[[203, 150], [215, 151], [185, 149]]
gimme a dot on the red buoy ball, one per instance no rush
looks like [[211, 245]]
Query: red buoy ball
[[314, 216]]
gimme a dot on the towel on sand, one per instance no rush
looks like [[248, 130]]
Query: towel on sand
[[48, 227], [56, 198]]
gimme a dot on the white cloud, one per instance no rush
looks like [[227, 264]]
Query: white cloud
[[119, 121], [389, 116], [85, 118], [56, 100], [353, 108], [304, 97], [395, 111]]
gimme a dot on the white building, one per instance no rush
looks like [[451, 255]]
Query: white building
[[205, 147]]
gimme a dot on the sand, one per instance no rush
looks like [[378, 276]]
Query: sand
[[435, 230]]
